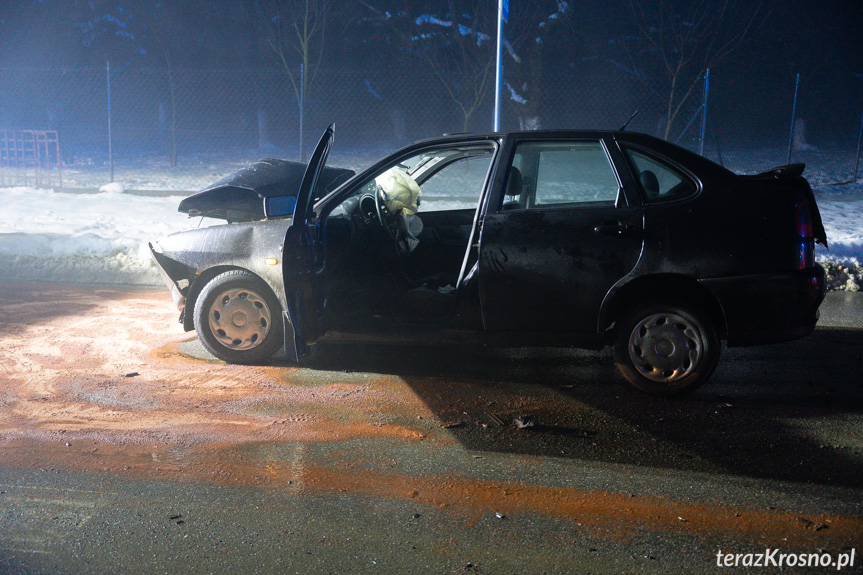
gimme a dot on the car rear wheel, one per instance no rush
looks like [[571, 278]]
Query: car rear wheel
[[666, 349], [238, 319]]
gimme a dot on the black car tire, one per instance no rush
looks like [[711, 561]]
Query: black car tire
[[665, 349], [238, 318]]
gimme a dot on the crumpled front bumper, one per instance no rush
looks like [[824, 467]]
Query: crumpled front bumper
[[176, 285]]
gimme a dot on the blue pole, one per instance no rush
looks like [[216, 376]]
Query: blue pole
[[793, 117], [704, 112], [110, 143], [496, 125], [857, 161], [302, 98]]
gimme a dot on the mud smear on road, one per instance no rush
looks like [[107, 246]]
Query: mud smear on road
[[113, 371], [608, 515]]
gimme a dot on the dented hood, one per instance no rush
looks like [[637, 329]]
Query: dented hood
[[239, 197]]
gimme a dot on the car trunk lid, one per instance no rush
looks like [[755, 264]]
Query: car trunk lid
[[808, 216]]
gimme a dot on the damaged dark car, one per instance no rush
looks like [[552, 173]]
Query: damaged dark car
[[546, 238]]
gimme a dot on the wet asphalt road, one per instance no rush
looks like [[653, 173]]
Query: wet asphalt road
[[607, 480]]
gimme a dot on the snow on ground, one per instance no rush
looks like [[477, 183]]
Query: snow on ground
[[87, 238], [102, 237]]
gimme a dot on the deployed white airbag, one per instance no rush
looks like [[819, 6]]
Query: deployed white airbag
[[399, 191], [401, 196]]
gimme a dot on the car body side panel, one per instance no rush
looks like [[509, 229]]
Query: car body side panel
[[549, 269], [735, 232], [186, 255], [770, 308]]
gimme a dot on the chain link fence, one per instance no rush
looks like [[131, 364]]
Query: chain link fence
[[180, 130]]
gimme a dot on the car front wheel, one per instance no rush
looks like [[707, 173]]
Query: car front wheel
[[666, 350], [238, 319]]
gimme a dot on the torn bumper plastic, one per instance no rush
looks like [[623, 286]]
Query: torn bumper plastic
[[178, 286]]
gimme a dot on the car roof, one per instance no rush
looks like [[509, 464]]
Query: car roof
[[689, 159]]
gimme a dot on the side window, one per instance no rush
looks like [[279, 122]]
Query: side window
[[561, 173], [457, 186], [659, 181], [438, 179]]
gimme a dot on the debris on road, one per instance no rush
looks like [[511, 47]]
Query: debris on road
[[523, 421], [495, 419]]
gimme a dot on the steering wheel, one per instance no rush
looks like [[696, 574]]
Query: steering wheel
[[381, 211]]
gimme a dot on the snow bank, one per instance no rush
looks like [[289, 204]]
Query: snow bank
[[89, 238], [102, 237], [842, 211]]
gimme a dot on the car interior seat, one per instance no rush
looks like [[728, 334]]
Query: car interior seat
[[514, 188], [650, 184]]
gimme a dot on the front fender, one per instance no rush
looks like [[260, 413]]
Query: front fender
[[189, 259]]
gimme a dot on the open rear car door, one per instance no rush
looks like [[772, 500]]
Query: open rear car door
[[299, 258]]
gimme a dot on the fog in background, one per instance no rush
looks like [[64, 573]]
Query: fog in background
[[200, 88], [192, 77]]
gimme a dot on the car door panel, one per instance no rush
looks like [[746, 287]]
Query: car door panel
[[299, 254], [546, 264], [549, 270]]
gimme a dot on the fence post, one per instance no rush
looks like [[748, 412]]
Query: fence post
[[704, 111], [793, 117], [857, 160], [110, 143], [302, 98]]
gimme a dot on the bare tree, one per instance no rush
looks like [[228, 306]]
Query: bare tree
[[464, 67], [531, 28], [296, 36], [455, 44], [679, 41], [165, 38]]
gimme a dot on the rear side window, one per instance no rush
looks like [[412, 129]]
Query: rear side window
[[659, 181], [550, 174]]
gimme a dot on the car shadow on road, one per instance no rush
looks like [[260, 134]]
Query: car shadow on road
[[35, 303], [786, 412]]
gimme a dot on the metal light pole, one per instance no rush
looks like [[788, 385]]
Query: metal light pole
[[857, 160], [502, 16]]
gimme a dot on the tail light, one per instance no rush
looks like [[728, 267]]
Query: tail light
[[805, 233]]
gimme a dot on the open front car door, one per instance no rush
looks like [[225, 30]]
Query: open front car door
[[299, 258]]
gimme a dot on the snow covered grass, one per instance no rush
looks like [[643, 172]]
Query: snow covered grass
[[102, 237], [88, 238]]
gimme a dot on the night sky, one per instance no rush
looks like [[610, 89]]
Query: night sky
[[791, 34], [593, 41]]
